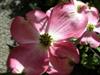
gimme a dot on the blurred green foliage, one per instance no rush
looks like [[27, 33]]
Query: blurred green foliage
[[90, 57], [96, 4]]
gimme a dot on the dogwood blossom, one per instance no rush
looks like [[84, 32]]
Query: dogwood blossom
[[42, 40], [91, 34]]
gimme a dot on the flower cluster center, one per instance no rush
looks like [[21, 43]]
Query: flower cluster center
[[45, 39], [78, 8], [90, 27]]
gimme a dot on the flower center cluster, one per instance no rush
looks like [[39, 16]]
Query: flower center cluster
[[78, 8], [45, 39], [90, 27]]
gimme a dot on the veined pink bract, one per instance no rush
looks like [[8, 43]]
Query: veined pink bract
[[42, 40], [91, 36]]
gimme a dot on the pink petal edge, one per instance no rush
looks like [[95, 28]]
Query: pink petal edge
[[32, 57], [22, 31], [66, 23], [38, 19], [61, 54]]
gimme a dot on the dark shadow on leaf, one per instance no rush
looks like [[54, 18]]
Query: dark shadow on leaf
[[45, 73], [81, 70], [19, 8]]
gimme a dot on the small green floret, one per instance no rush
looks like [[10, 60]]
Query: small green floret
[[45, 39], [90, 27], [78, 8]]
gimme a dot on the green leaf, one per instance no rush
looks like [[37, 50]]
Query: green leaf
[[96, 4], [98, 49]]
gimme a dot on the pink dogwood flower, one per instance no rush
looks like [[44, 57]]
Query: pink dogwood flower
[[42, 41], [90, 35]]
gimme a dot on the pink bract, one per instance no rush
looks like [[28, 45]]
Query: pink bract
[[60, 23], [92, 37]]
